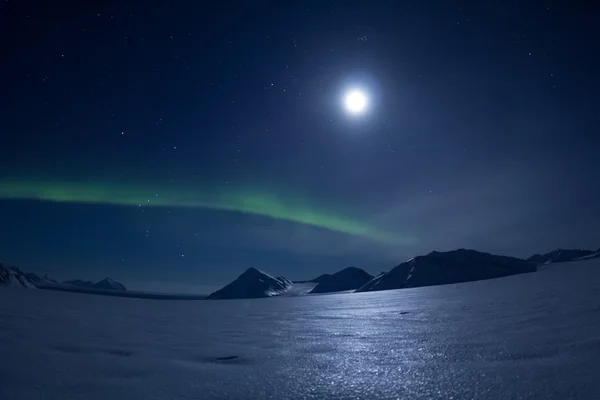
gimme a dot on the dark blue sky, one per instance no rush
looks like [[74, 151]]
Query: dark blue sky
[[482, 131]]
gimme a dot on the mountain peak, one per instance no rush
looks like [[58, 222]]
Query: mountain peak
[[351, 269], [349, 278], [252, 283], [109, 284], [252, 271]]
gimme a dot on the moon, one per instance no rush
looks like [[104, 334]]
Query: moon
[[356, 101]]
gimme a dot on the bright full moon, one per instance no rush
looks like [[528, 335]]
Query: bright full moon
[[355, 102]]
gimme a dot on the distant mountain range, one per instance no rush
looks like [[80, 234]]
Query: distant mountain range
[[105, 284], [435, 268], [40, 280], [79, 283], [440, 268], [563, 255], [13, 276]]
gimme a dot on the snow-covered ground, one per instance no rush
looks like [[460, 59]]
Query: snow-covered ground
[[530, 336]]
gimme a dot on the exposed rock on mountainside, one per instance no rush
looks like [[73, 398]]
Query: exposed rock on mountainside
[[347, 279]]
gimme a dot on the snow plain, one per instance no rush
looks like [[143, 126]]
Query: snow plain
[[530, 336]]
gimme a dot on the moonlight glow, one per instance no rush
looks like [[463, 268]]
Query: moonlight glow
[[355, 102]]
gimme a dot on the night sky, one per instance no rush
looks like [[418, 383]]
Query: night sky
[[174, 144]]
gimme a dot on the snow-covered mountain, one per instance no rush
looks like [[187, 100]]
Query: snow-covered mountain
[[105, 284], [347, 279], [40, 280], [79, 283], [253, 283], [109, 284], [439, 268], [12, 276], [596, 254], [15, 277], [563, 255]]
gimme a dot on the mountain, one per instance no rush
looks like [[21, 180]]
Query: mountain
[[440, 268], [109, 284], [318, 279], [252, 284], [321, 278], [40, 280], [15, 277], [347, 279], [595, 254], [12, 276], [79, 283], [105, 284], [563, 255]]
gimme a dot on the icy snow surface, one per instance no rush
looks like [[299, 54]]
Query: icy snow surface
[[531, 336]]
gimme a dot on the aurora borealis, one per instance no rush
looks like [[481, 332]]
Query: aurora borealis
[[243, 201]]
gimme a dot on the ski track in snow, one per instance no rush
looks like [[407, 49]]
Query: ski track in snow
[[530, 336]]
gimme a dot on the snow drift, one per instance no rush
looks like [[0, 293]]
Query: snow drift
[[440, 268], [252, 284], [347, 279]]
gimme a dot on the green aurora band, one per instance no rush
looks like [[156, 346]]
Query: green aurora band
[[242, 201]]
